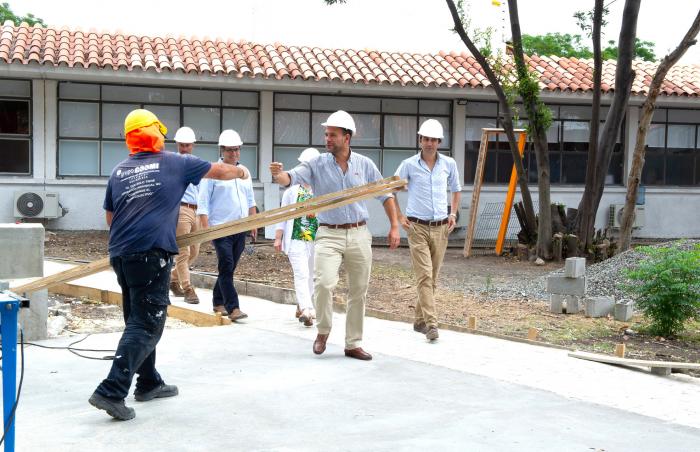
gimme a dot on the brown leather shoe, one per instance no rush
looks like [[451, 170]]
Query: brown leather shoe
[[320, 343], [358, 353], [432, 333], [420, 327], [306, 318], [237, 314], [220, 309], [176, 289], [191, 296], [298, 313]]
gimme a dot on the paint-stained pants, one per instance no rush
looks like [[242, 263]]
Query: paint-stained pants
[[427, 245], [186, 223], [144, 279], [353, 247]]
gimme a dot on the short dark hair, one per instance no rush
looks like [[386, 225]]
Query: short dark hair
[[347, 132]]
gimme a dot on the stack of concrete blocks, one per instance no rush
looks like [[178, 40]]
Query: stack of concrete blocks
[[624, 310], [22, 256], [566, 292]]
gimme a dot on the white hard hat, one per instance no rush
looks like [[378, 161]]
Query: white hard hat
[[340, 119], [308, 154], [185, 135], [431, 128], [230, 138]]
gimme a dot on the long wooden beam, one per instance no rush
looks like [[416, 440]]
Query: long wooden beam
[[314, 205]]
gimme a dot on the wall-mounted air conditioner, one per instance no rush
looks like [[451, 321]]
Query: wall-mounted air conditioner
[[37, 204], [615, 218]]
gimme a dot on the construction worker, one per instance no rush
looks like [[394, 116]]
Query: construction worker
[[220, 202], [180, 284], [342, 235], [296, 239], [430, 176], [141, 207]]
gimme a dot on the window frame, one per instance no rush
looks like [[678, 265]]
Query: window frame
[[29, 137], [654, 151]]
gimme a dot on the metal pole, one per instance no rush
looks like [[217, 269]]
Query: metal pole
[[9, 307]]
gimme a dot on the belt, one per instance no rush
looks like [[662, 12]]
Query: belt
[[344, 226], [191, 206], [428, 223]]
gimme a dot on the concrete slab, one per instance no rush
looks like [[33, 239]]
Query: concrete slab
[[257, 386], [566, 286]]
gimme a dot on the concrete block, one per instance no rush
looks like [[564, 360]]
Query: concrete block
[[599, 306], [556, 303], [34, 320], [21, 250], [566, 286], [4, 285], [573, 304], [569, 304], [575, 267], [624, 310]]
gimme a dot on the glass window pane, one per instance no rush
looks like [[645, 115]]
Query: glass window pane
[[656, 136], [446, 130], [78, 119], [681, 136], [679, 167], [141, 94], [400, 131], [15, 88], [14, 117], [659, 115], [614, 176], [201, 97], [113, 152], [573, 168], [83, 91], [392, 160], [575, 135], [78, 158], [245, 122], [469, 166], [113, 119], [574, 112], [208, 152], [249, 158], [489, 109], [170, 116], [653, 171], [554, 168], [399, 106], [291, 127], [692, 116], [474, 126], [15, 156], [374, 154], [435, 107], [349, 104], [240, 99], [505, 167], [318, 132], [287, 156], [368, 127], [293, 101], [204, 121]]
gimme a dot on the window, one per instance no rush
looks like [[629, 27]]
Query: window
[[567, 140], [386, 127], [673, 148], [15, 127], [91, 122]]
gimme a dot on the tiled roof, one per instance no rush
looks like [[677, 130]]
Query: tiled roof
[[116, 51]]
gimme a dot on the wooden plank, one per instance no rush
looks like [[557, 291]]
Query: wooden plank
[[608, 359], [314, 205], [510, 196], [476, 193]]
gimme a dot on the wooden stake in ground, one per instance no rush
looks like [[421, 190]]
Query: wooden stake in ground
[[471, 322], [532, 334], [274, 216], [620, 350]]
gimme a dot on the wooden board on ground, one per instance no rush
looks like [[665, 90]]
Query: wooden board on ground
[[657, 367]]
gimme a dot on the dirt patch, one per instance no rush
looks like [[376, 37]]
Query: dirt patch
[[467, 287]]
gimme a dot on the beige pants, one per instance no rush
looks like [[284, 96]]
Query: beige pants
[[427, 245], [186, 223], [353, 247]]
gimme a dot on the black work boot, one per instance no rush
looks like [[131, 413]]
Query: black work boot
[[156, 393], [114, 407]]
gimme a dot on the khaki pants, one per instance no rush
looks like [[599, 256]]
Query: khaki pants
[[186, 223], [427, 245], [354, 248]]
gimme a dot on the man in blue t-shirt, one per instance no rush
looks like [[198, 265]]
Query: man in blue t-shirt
[[141, 203]]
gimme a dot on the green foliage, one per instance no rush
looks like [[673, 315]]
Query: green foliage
[[7, 14], [571, 46], [480, 37], [667, 286], [642, 49]]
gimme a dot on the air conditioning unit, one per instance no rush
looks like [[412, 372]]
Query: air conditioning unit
[[615, 218], [37, 204]]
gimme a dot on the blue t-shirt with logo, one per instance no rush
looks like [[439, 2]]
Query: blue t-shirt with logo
[[144, 193]]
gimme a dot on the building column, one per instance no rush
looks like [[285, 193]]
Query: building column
[[50, 129], [631, 127], [459, 124], [38, 127], [271, 191]]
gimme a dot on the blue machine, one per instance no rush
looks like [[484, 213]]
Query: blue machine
[[9, 308]]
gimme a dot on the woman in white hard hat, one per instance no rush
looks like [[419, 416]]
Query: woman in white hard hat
[[220, 202], [296, 239]]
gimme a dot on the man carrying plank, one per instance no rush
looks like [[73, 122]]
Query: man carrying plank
[[430, 175], [142, 203], [342, 235]]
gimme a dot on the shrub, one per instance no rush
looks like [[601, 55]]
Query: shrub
[[667, 287]]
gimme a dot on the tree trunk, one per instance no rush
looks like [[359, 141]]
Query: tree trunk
[[539, 135], [507, 115], [585, 221], [624, 76], [644, 121]]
